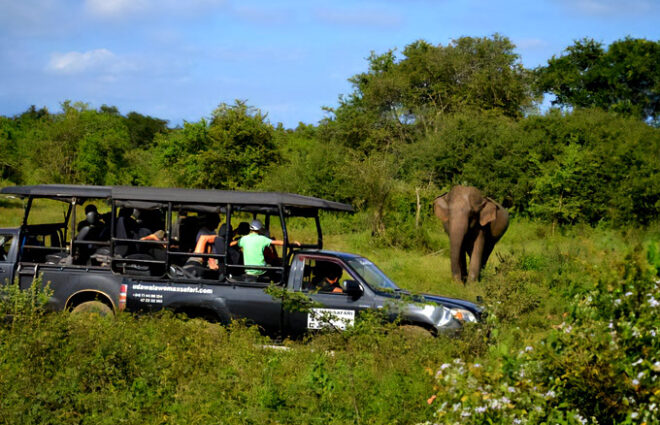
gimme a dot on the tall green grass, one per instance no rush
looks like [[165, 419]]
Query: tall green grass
[[571, 337]]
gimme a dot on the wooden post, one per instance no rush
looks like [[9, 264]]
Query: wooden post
[[418, 208]]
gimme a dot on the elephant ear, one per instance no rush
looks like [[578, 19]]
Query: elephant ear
[[488, 212], [441, 208]]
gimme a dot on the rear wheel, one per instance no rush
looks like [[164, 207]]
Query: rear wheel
[[92, 307]]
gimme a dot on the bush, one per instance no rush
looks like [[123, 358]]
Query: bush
[[600, 365]]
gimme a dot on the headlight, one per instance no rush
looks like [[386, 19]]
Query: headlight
[[463, 315], [445, 317]]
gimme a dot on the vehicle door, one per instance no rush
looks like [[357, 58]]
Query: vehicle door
[[252, 302], [8, 248], [319, 279]]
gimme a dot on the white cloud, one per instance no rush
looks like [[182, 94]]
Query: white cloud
[[115, 8], [77, 63]]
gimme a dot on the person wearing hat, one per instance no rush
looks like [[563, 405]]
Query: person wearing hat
[[253, 245]]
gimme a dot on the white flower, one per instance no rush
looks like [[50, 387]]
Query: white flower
[[465, 414], [634, 415], [640, 375], [639, 361], [516, 421], [529, 348], [481, 409], [444, 366], [568, 329], [653, 302], [476, 365], [611, 325], [617, 301], [550, 394], [511, 390], [635, 382], [581, 419], [627, 294], [505, 400]]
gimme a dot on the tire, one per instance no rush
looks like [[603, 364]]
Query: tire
[[415, 331], [93, 307]]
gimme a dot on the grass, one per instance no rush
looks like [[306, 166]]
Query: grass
[[159, 368]]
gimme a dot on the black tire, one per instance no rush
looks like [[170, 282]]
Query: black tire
[[415, 331], [93, 307]]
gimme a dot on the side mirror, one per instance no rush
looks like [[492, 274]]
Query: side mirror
[[352, 287]]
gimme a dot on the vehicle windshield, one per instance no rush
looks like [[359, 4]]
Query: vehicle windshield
[[374, 277]]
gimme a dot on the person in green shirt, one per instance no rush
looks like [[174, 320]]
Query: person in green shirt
[[253, 245]]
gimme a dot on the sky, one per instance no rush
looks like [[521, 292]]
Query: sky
[[179, 59]]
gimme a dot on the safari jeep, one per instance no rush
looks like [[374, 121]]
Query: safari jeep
[[138, 249]]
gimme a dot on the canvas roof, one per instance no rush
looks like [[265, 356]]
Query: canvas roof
[[177, 195]]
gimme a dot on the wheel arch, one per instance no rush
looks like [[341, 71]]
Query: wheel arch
[[85, 295]]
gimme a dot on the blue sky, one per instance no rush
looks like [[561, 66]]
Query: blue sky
[[178, 60]]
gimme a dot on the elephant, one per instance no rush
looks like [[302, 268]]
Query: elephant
[[474, 224]]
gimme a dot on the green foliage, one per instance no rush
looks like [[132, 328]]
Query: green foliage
[[571, 337], [310, 167], [623, 78], [600, 365], [233, 151], [291, 301], [416, 123], [24, 304], [398, 98]]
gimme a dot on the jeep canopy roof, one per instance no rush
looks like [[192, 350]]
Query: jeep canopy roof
[[142, 197]]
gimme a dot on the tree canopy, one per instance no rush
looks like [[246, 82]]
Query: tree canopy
[[414, 124], [624, 78], [398, 96]]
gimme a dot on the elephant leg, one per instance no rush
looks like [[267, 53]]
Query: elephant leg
[[457, 251], [488, 249], [462, 262], [476, 257]]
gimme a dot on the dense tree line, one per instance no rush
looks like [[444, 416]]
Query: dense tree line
[[415, 124]]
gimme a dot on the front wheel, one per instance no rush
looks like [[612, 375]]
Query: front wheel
[[415, 331], [93, 307]]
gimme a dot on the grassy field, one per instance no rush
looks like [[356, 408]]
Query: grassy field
[[544, 355]]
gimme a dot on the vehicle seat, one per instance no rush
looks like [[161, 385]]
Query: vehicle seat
[[188, 228]]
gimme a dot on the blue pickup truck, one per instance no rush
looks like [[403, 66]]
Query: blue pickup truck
[[137, 249]]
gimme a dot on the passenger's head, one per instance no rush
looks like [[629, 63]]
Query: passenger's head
[[92, 217], [243, 228], [256, 226], [125, 212], [223, 230], [210, 221], [89, 208], [138, 214], [330, 270]]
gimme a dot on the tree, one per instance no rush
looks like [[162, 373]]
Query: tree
[[233, 151], [398, 98], [624, 78], [143, 128]]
